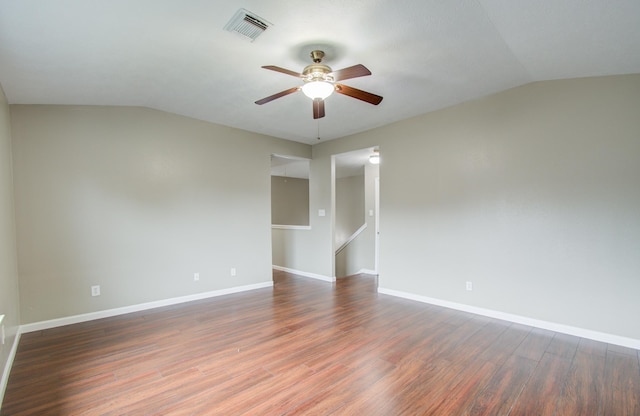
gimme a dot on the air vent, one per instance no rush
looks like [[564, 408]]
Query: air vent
[[247, 24]]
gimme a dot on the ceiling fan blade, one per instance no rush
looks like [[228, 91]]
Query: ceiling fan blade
[[318, 108], [278, 95], [282, 70], [351, 72], [359, 94]]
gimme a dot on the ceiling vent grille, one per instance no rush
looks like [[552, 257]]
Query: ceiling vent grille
[[247, 24]]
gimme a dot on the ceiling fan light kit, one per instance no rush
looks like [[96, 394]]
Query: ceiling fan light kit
[[318, 89], [320, 81]]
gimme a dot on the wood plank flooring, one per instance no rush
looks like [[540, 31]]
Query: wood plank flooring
[[313, 348]]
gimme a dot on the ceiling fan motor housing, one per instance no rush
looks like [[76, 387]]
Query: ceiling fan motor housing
[[317, 72]]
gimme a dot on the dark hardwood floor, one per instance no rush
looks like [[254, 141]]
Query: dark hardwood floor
[[312, 348]]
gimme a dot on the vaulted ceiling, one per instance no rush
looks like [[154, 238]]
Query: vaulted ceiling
[[175, 56]]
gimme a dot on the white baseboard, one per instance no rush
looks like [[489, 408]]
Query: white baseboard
[[305, 274], [8, 365], [38, 326], [552, 326], [367, 271]]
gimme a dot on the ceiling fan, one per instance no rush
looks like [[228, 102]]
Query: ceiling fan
[[320, 81]]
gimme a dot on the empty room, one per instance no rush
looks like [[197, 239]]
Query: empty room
[[319, 208]]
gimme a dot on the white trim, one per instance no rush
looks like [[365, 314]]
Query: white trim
[[376, 231], [366, 271], [350, 239], [290, 227], [38, 326], [552, 326], [305, 274], [8, 365]]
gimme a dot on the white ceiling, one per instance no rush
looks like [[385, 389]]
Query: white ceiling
[[174, 55]]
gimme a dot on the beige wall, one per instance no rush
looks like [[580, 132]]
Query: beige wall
[[137, 201], [289, 201], [9, 300], [532, 194]]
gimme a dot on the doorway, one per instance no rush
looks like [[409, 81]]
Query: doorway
[[355, 203]]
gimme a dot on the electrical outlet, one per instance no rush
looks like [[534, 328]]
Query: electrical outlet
[[469, 286], [196, 277], [233, 271], [95, 290]]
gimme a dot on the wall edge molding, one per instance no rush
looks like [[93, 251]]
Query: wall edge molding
[[519, 319], [290, 227], [305, 274], [53, 323], [8, 365]]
